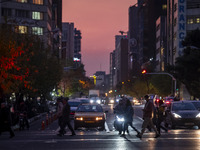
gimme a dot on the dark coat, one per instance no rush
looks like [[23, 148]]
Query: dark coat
[[66, 112], [129, 113], [148, 109]]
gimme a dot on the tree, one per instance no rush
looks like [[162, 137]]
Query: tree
[[187, 66], [12, 55], [27, 67]]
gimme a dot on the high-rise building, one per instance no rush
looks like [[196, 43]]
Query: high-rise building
[[121, 60], [67, 41], [77, 45], [29, 17], [71, 43], [112, 69], [182, 17], [161, 44], [133, 53]]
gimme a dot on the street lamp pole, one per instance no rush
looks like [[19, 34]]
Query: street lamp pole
[[168, 75]]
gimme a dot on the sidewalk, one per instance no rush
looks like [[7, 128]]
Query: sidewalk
[[16, 127]]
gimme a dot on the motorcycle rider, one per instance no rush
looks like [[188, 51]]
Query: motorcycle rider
[[120, 110], [23, 110]]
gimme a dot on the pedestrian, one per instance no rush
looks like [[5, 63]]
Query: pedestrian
[[147, 117], [65, 118], [129, 112], [160, 116], [5, 120], [59, 110]]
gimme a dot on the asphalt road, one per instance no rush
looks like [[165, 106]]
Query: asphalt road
[[92, 139]]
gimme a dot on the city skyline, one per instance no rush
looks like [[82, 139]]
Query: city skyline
[[99, 22]]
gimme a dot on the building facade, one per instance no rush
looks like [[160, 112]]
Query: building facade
[[67, 41], [29, 17], [182, 17]]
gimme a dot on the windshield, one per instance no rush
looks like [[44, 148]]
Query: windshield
[[90, 108], [196, 104], [183, 106], [74, 104]]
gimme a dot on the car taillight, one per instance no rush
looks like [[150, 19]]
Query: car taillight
[[167, 102], [72, 113]]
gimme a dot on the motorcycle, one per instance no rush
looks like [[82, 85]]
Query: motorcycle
[[119, 123], [23, 120]]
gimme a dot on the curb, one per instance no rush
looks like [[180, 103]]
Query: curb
[[16, 127]]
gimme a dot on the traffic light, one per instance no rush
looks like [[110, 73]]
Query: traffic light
[[144, 71]]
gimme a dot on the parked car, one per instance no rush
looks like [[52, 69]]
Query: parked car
[[182, 113], [89, 115]]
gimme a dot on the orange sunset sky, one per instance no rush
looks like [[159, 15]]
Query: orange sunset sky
[[99, 22]]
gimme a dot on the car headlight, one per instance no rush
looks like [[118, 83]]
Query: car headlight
[[198, 116], [120, 119], [91, 101], [79, 118], [112, 101], [176, 115], [99, 118], [98, 101]]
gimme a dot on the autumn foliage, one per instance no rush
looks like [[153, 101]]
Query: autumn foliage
[[12, 72]]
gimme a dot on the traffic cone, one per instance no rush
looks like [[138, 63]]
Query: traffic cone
[[43, 125]]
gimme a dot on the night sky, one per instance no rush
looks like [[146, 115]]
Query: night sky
[[99, 22]]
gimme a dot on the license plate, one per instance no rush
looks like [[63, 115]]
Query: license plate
[[190, 123], [89, 121]]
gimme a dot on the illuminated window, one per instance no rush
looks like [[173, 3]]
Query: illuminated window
[[37, 15], [198, 20], [37, 30], [22, 1], [21, 29], [190, 21], [164, 6], [39, 2]]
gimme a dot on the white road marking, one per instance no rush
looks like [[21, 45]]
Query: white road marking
[[106, 127]]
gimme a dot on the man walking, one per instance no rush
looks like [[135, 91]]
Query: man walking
[[147, 116], [65, 118], [5, 120]]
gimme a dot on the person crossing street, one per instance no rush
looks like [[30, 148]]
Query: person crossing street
[[65, 118], [147, 116]]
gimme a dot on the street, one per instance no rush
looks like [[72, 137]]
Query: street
[[37, 139]]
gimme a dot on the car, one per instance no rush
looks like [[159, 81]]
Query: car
[[196, 103], [74, 103], [95, 100], [168, 100], [89, 115], [182, 113]]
